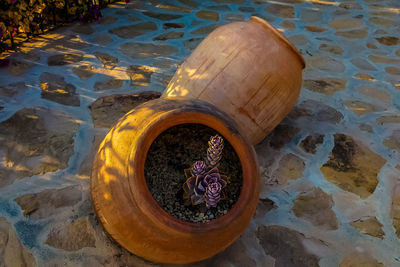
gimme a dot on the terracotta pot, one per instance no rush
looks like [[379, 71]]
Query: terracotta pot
[[124, 203], [247, 69]]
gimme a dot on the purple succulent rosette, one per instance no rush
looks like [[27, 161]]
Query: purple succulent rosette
[[214, 151], [196, 187], [204, 183], [198, 168], [213, 194]]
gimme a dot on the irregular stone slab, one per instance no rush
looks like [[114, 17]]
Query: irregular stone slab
[[84, 72], [393, 141], [387, 23], [286, 246], [174, 8], [264, 206], [354, 34], [83, 29], [205, 29], [140, 75], [366, 128], [281, 135], [388, 119], [169, 35], [291, 167], [359, 107], [169, 25], [298, 39], [395, 209], [108, 84], [234, 17], [109, 62], [371, 46], [350, 6], [46, 203], [364, 77], [64, 59], [334, 49], [316, 29], [316, 207], [108, 20], [393, 70], [352, 166], [375, 93], [289, 25], [316, 111], [162, 16], [385, 60], [220, 8], [12, 89], [107, 110], [362, 64], [207, 15], [388, 40], [18, 67], [360, 259], [72, 237], [12, 252], [345, 23], [31, 56], [284, 11], [308, 15], [327, 86], [325, 63], [34, 141], [103, 39], [311, 142], [54, 88], [143, 50], [132, 31], [370, 226]]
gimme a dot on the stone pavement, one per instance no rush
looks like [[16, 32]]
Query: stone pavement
[[330, 171]]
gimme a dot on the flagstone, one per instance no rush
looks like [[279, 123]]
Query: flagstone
[[352, 166], [132, 31], [316, 207]]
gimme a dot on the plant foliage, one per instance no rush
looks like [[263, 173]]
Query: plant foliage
[[26, 18]]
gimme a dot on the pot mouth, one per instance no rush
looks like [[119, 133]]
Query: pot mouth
[[280, 36], [230, 158]]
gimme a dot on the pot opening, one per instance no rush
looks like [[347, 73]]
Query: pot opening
[[176, 150]]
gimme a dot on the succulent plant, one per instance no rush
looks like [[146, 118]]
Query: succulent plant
[[204, 182], [213, 194], [214, 151], [197, 186], [198, 167]]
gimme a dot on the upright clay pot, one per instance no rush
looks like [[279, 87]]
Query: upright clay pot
[[125, 205], [247, 69]]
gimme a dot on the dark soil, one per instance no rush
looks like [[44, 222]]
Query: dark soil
[[177, 149]]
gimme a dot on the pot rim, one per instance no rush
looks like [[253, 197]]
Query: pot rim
[[280, 36], [152, 209]]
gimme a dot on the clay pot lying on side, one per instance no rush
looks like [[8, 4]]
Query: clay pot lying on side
[[128, 211], [249, 70]]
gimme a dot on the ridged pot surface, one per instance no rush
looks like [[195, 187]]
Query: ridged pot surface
[[124, 203], [247, 69]]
